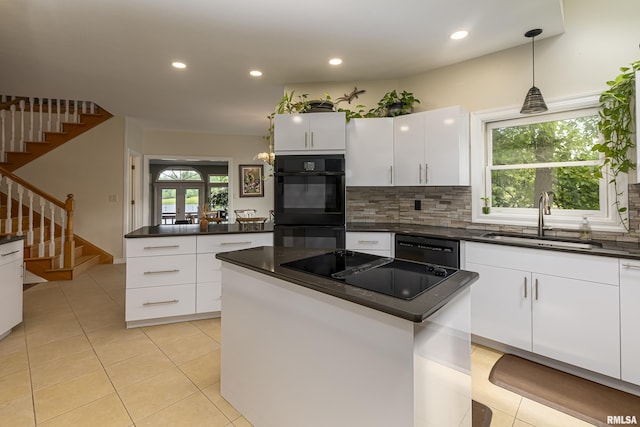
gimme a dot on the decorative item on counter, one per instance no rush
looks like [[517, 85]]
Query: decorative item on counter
[[486, 209], [585, 229], [204, 223]]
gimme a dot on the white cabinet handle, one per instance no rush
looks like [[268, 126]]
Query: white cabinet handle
[[305, 140], [311, 139], [426, 173], [172, 301], [536, 289], [525, 287], [11, 253], [161, 271], [235, 243], [372, 242], [637, 267], [420, 173], [161, 247], [391, 174]]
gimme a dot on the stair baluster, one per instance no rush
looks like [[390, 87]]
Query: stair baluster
[[52, 229], [30, 232], [12, 143], [41, 242], [49, 111], [8, 225], [63, 239], [3, 147], [20, 194], [31, 119], [58, 126]]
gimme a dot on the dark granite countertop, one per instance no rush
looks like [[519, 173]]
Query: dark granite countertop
[[609, 248], [194, 230], [6, 238], [267, 260]]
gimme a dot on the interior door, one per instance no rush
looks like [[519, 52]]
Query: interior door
[[175, 202]]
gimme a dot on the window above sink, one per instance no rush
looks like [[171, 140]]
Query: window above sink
[[516, 157]]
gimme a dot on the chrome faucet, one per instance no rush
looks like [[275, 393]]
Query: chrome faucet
[[544, 208]]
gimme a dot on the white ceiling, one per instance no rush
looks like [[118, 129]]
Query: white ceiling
[[118, 52]]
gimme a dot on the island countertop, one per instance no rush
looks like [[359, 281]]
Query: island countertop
[[194, 230], [268, 260]]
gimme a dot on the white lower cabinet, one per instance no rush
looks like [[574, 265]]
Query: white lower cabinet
[[11, 276], [560, 305], [374, 242], [630, 320]]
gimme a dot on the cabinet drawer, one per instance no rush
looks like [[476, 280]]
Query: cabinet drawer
[[208, 297], [10, 252], [153, 246], [161, 271], [365, 240], [590, 268], [208, 268], [232, 242], [162, 301]]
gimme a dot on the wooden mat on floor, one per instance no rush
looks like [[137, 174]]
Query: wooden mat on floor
[[480, 415], [578, 397]]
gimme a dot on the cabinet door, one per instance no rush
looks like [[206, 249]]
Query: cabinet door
[[327, 131], [10, 295], [447, 146], [630, 320], [409, 150], [369, 156], [291, 132], [501, 305], [577, 322]]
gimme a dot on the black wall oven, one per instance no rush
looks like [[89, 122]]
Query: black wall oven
[[309, 200]]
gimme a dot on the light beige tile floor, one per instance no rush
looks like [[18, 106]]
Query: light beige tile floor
[[73, 363]]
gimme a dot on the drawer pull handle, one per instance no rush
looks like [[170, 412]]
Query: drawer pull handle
[[373, 242], [235, 243], [172, 301], [525, 287], [161, 247], [637, 267], [11, 253], [161, 271], [536, 289]]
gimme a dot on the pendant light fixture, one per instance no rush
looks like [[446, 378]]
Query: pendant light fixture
[[533, 102]]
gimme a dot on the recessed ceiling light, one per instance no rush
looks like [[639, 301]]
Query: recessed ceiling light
[[255, 73], [459, 35], [335, 61], [178, 64]]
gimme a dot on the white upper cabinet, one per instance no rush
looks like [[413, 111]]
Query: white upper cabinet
[[302, 133], [432, 148], [409, 149], [447, 146], [369, 156]]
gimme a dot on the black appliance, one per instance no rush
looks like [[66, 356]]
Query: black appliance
[[429, 250], [310, 190], [400, 279], [306, 236]]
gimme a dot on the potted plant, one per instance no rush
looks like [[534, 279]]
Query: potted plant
[[617, 128], [392, 104], [486, 209]]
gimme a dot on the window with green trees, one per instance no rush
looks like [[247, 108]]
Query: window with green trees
[[551, 153]]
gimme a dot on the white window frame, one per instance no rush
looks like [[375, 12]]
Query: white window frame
[[605, 220]]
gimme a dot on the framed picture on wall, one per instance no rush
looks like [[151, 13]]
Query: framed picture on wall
[[251, 181]]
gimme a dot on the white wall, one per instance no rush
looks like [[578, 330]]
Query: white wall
[[91, 168], [240, 149]]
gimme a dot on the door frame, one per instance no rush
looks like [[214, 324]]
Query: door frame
[[181, 187], [147, 184]]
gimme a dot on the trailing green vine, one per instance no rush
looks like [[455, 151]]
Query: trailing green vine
[[617, 118]]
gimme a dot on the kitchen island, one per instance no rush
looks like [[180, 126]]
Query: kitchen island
[[300, 349], [11, 276]]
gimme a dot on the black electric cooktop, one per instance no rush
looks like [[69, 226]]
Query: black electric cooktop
[[397, 278]]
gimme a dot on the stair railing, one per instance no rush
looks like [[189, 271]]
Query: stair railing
[[25, 119], [40, 206]]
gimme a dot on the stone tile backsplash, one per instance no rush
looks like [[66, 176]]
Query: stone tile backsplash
[[451, 207]]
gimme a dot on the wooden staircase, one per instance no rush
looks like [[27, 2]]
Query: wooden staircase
[[47, 139], [52, 250]]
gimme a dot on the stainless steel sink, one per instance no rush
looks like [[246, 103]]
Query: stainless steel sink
[[542, 241]]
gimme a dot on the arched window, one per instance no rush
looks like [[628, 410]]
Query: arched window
[[180, 174], [179, 195]]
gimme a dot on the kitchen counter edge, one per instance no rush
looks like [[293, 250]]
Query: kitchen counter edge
[[194, 230], [267, 260]]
